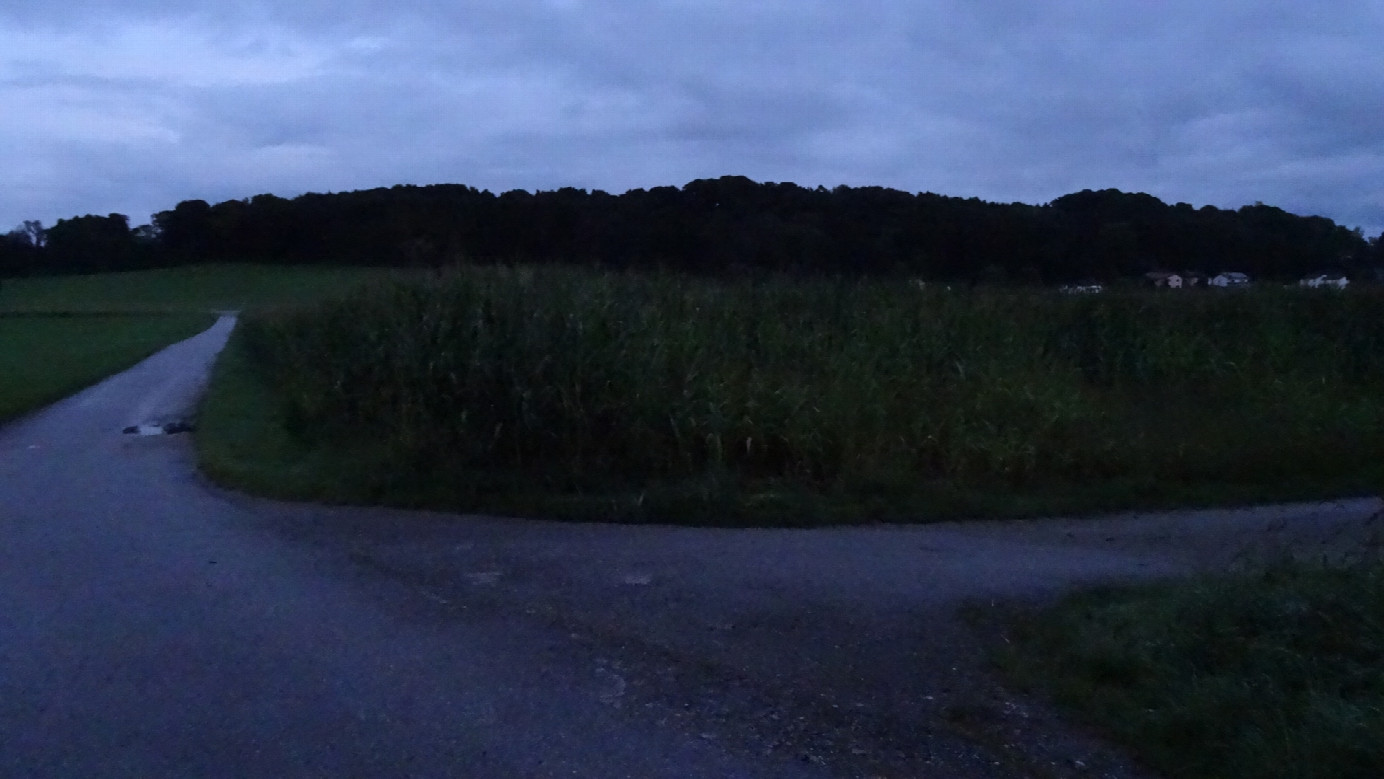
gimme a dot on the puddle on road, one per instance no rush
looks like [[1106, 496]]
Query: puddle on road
[[166, 428]]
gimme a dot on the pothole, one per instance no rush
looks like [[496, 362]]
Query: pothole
[[166, 428]]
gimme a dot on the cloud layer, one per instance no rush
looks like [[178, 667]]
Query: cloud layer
[[132, 107]]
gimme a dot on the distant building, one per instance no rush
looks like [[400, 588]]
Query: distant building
[[1327, 280], [1229, 279]]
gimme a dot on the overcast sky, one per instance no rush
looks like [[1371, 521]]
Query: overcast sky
[[134, 106]]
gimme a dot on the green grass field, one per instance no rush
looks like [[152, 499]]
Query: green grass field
[[198, 288], [62, 333], [579, 394], [1252, 676]]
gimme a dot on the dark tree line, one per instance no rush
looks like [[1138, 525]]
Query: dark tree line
[[713, 226]]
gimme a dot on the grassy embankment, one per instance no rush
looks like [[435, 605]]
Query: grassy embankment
[[60, 334], [571, 393], [1272, 674]]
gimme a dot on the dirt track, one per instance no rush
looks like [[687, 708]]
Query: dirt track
[[152, 624]]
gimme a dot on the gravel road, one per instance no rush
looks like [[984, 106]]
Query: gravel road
[[152, 624]]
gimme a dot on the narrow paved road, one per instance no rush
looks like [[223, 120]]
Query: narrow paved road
[[153, 625]]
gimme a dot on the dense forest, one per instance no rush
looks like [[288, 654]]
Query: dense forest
[[731, 224]]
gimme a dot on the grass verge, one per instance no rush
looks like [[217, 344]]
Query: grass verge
[[45, 358], [242, 440], [1270, 674]]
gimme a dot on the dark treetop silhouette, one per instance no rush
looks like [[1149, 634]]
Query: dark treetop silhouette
[[730, 224]]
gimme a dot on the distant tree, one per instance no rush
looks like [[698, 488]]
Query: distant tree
[[90, 244], [185, 232], [18, 254]]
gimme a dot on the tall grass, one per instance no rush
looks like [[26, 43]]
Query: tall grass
[[584, 380]]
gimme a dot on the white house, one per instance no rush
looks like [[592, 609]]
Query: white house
[[1229, 279], [1324, 280], [1088, 288]]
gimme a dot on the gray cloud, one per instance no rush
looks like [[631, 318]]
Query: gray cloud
[[134, 106]]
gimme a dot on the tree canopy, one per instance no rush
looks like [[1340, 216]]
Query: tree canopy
[[729, 224]]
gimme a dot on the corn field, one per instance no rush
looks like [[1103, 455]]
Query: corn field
[[586, 378]]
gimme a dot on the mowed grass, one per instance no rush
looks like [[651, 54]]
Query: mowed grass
[[211, 287], [59, 334], [580, 394], [45, 358], [1271, 674]]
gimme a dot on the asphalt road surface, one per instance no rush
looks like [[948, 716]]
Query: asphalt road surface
[[154, 625]]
